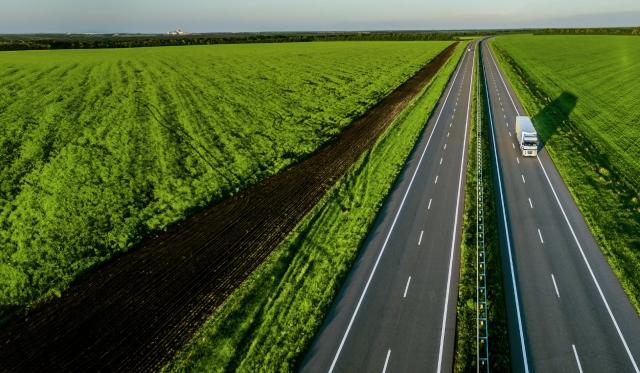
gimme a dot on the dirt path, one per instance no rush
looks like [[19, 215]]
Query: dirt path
[[136, 311]]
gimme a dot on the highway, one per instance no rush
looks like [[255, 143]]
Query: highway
[[396, 309], [567, 311]]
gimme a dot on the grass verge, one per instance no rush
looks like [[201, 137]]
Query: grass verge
[[603, 192], [269, 321], [466, 345]]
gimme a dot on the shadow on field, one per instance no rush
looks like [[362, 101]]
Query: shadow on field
[[556, 114]]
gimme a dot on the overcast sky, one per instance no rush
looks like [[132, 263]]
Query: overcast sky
[[154, 16]]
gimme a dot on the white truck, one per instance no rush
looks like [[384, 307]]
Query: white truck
[[527, 136]]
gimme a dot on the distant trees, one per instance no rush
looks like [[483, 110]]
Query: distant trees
[[23, 42], [590, 31]]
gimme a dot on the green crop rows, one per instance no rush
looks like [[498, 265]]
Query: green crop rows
[[582, 92], [268, 323], [98, 148]]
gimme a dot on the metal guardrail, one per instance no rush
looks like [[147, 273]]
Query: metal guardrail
[[482, 323]]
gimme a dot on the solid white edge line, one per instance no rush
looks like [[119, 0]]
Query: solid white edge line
[[504, 218], [455, 222], [584, 257], [420, 239], [406, 287], [555, 285], [593, 276], [386, 361], [575, 354], [395, 219]]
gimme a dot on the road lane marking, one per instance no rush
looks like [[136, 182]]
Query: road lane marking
[[450, 124], [429, 207], [503, 82], [509, 133], [447, 134], [440, 160], [436, 182], [575, 353], [386, 361], [523, 182], [406, 287], [455, 222], [530, 204], [513, 145], [575, 237], [540, 235], [420, 239], [593, 276], [506, 224], [518, 160], [393, 223], [555, 286]]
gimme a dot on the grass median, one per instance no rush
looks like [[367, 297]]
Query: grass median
[[268, 323], [466, 341]]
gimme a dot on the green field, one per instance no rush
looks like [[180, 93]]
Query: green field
[[268, 323], [98, 148], [583, 94]]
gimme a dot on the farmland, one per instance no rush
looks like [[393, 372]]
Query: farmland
[[582, 92], [269, 322], [100, 148]]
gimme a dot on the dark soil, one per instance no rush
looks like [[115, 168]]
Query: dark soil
[[137, 310]]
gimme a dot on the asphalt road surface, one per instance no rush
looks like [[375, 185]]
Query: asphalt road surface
[[571, 314], [396, 310]]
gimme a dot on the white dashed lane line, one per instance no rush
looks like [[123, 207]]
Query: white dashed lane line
[[555, 286], [386, 361], [540, 236], [406, 287]]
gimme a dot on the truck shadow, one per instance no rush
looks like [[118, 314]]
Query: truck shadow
[[554, 116]]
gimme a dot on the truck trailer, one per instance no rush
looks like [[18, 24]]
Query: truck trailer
[[527, 136]]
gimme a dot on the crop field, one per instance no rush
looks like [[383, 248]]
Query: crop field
[[582, 92], [268, 323], [100, 148]]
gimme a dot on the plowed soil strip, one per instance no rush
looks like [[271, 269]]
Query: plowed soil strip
[[136, 311]]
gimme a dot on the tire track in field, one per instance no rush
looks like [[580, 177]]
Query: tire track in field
[[136, 311]]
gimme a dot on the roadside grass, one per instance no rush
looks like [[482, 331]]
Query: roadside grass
[[102, 148], [269, 321], [594, 145], [466, 341]]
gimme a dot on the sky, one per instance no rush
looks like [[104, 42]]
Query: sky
[[157, 16]]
